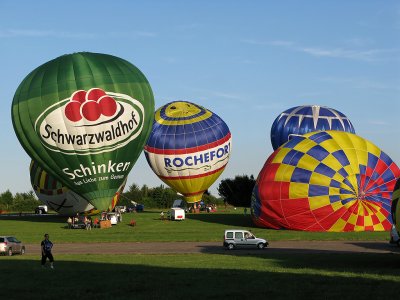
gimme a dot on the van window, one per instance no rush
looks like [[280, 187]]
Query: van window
[[1, 240], [229, 235], [238, 235]]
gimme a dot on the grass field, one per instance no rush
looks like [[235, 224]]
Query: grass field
[[197, 227], [203, 276], [232, 274]]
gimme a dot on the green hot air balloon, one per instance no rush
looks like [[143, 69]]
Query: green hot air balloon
[[85, 117]]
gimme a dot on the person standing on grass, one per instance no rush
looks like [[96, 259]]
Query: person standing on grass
[[46, 246], [69, 222]]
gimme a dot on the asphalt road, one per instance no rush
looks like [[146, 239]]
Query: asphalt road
[[216, 247]]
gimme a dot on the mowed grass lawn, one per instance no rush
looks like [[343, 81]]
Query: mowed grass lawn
[[229, 275], [197, 227], [203, 276]]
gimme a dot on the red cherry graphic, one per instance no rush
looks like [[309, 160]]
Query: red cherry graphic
[[79, 96], [90, 110], [95, 94], [73, 111], [108, 106]]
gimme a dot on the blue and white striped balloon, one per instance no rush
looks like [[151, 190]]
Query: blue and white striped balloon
[[307, 118]]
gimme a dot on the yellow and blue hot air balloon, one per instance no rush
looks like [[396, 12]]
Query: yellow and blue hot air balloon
[[188, 148], [326, 181]]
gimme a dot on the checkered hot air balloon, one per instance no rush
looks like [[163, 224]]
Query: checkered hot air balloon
[[307, 118], [188, 148], [326, 181]]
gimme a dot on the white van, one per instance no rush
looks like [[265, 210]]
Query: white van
[[177, 214], [234, 238]]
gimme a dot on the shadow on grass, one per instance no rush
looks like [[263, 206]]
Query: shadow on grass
[[224, 219], [281, 279], [374, 263], [382, 247], [377, 246], [50, 218]]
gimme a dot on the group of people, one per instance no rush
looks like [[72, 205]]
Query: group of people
[[75, 222], [208, 208]]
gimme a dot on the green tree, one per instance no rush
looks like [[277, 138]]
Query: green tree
[[157, 195], [237, 191], [133, 193], [25, 201], [145, 190], [169, 197], [208, 198], [6, 200]]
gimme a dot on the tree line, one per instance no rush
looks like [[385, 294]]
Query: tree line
[[233, 191], [18, 202], [158, 197]]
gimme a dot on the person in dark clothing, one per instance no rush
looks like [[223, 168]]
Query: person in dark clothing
[[46, 246]]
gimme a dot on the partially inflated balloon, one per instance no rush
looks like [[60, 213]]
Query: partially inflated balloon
[[53, 193], [307, 118], [326, 181], [85, 118], [188, 148], [396, 206]]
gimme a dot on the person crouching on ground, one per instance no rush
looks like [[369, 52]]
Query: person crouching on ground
[[46, 246]]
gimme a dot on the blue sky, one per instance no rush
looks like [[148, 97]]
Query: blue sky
[[245, 61]]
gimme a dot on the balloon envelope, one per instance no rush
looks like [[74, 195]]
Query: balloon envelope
[[85, 118], [53, 193], [307, 118], [188, 148], [395, 205], [326, 181]]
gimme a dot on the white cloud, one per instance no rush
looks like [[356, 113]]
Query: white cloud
[[269, 106], [282, 43], [363, 83], [365, 55], [369, 55], [225, 95], [214, 94], [359, 42], [36, 33], [15, 33], [378, 122], [254, 42]]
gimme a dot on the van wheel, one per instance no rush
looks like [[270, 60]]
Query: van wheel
[[231, 246], [22, 251], [9, 252], [261, 246]]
